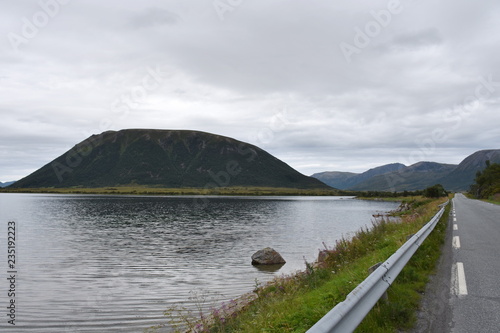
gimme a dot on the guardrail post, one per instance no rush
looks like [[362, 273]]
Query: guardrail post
[[372, 269]]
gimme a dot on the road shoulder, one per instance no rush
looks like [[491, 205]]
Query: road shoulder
[[435, 313]]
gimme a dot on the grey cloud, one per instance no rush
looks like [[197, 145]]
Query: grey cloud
[[428, 37], [154, 17], [233, 76]]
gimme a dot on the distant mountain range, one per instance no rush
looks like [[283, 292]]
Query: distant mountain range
[[398, 177], [167, 158], [346, 180], [183, 158], [6, 184]]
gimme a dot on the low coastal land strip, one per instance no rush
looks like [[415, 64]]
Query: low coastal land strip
[[229, 190], [146, 190]]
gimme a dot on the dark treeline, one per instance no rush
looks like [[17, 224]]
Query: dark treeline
[[487, 182], [381, 194], [435, 191]]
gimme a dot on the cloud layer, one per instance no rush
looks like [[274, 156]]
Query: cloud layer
[[322, 86]]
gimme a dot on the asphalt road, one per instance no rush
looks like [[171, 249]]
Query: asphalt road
[[464, 295]]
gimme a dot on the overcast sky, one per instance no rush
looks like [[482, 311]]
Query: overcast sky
[[322, 85]]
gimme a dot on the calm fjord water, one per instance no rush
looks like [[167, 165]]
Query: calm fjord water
[[88, 263]]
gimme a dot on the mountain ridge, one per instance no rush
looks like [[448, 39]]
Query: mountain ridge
[[345, 180], [168, 158], [417, 176], [463, 176]]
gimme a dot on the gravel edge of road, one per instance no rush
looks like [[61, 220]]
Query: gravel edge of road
[[434, 314]]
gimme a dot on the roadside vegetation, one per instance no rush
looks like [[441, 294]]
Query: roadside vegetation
[[487, 183], [294, 303]]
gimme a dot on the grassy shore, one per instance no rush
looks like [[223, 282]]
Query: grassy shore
[[144, 190], [294, 303]]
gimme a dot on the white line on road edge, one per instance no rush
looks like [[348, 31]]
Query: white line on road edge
[[456, 242], [454, 219], [455, 227], [462, 285]]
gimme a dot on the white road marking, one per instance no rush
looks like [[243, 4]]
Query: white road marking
[[456, 242], [462, 285], [458, 283], [454, 219], [455, 227]]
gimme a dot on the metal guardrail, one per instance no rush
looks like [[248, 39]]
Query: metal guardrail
[[347, 315]]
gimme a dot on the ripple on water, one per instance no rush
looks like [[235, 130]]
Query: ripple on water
[[114, 264]]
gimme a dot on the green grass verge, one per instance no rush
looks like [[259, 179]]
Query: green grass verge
[[494, 199], [496, 202], [295, 303]]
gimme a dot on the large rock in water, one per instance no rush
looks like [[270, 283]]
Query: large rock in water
[[267, 256]]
